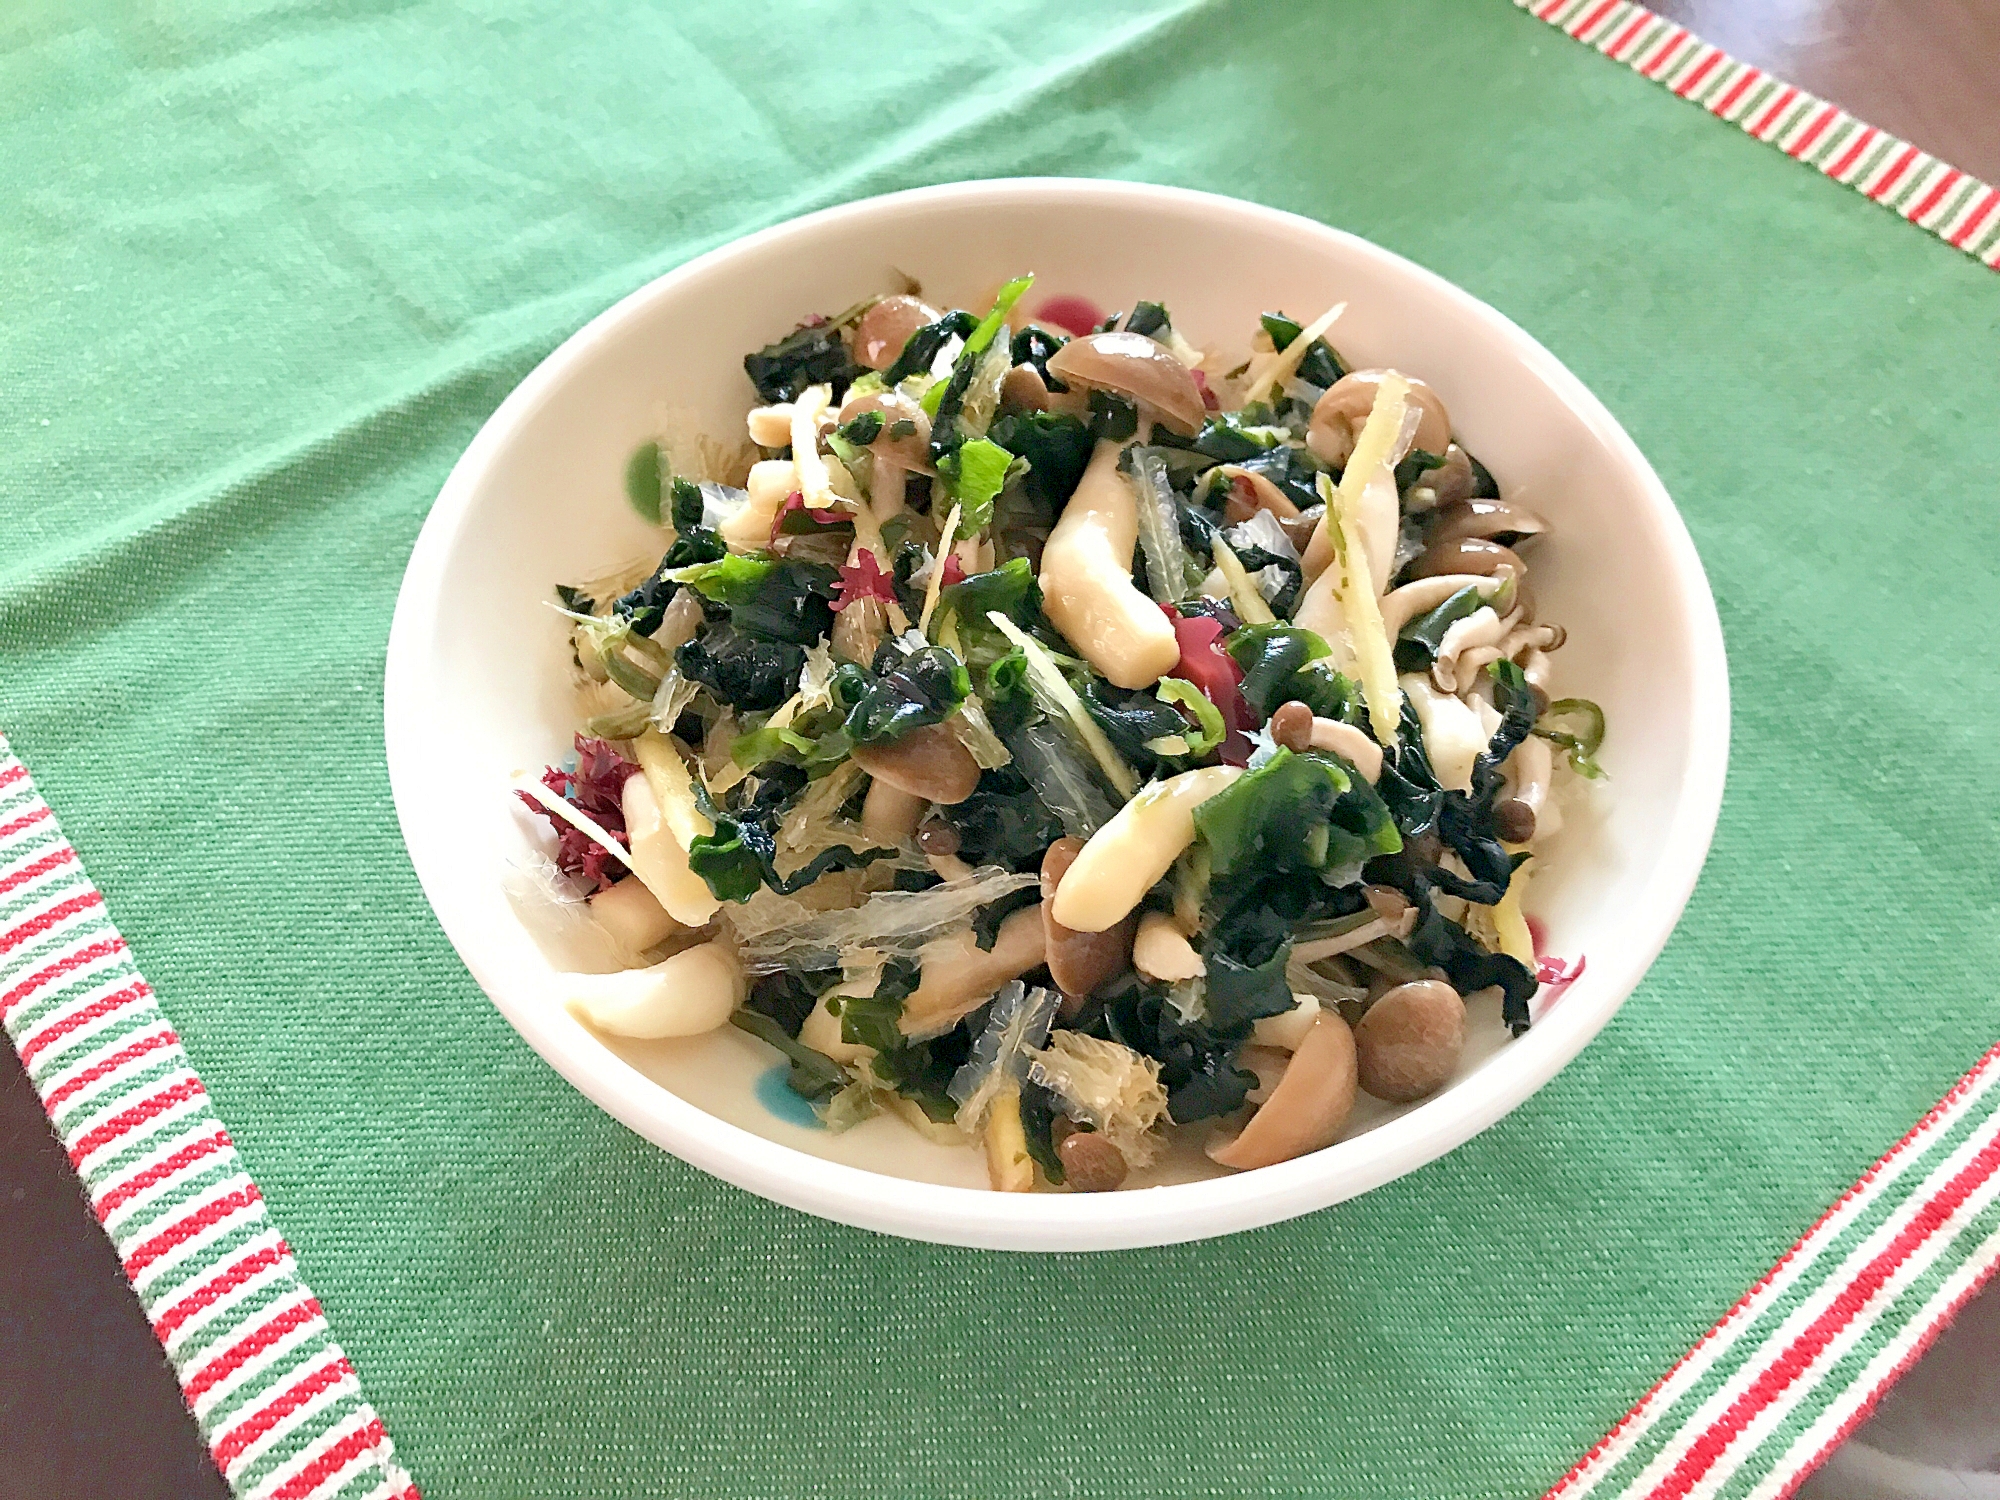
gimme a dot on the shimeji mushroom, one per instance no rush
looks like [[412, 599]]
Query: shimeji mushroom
[[1023, 389], [889, 815], [901, 447], [1306, 1108], [886, 327], [1317, 941], [690, 993], [1466, 646], [1487, 520], [1127, 856], [1350, 744], [1409, 1043], [1086, 579], [958, 976], [1454, 734], [1451, 480], [1469, 554], [1137, 367], [633, 916], [1524, 809], [1337, 418], [1402, 605], [1079, 962], [928, 762], [1520, 640], [1161, 950]]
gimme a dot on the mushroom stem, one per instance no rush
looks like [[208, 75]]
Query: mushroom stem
[[1087, 584], [692, 992], [889, 815], [1307, 1107], [1127, 856], [1350, 744], [1162, 951]]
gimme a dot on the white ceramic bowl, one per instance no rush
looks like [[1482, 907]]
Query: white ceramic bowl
[[478, 667]]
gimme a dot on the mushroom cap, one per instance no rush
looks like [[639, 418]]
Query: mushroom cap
[[913, 450], [1024, 390], [1452, 481], [1136, 366], [927, 762], [1404, 604], [1409, 1043], [884, 329], [1338, 414], [1468, 554], [1488, 520], [1079, 962]]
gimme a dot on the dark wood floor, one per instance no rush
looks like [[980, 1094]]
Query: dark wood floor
[[88, 1405], [1926, 70]]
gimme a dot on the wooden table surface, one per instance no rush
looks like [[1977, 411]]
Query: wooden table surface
[[88, 1405]]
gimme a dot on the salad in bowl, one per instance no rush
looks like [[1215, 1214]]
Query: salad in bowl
[[1068, 737]]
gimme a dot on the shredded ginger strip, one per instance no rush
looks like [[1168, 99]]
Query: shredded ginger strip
[[1374, 656]]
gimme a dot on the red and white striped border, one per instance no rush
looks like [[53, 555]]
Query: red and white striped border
[[1960, 210], [1797, 1364], [278, 1403]]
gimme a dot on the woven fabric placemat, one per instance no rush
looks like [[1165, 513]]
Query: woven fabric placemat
[[269, 269]]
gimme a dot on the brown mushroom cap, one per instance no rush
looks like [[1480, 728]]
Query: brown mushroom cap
[[1079, 962], [1468, 554], [1307, 1108], [1136, 366], [1338, 415], [1091, 1164], [1488, 520], [1410, 1042], [1451, 481], [928, 762], [884, 329]]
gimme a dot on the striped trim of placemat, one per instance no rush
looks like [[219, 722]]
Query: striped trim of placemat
[[1795, 1366], [278, 1403], [1960, 210]]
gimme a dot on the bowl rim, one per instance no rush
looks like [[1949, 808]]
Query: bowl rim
[[1052, 1221]]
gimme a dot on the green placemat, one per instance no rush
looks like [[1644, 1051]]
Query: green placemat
[[266, 270]]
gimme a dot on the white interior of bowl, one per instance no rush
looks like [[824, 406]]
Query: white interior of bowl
[[478, 662]]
